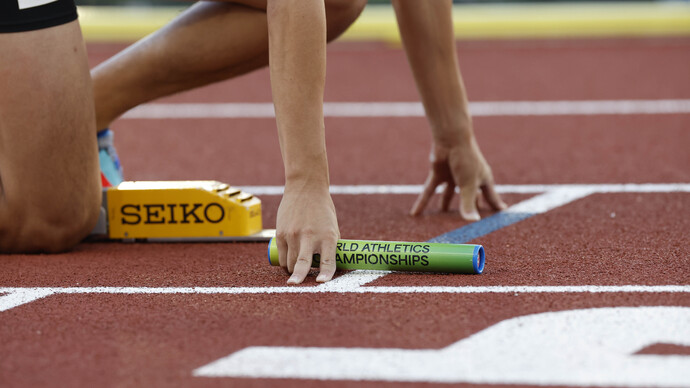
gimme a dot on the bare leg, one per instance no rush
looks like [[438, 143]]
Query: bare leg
[[209, 42], [49, 178]]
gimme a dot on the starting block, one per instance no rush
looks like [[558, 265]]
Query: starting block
[[180, 211]]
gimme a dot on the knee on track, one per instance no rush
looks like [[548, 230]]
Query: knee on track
[[46, 229]]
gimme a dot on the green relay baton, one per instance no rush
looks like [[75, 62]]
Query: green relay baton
[[401, 256]]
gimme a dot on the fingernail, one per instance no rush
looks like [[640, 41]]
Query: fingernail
[[322, 279], [292, 280]]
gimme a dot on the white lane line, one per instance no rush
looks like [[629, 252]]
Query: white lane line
[[414, 109], [352, 280], [353, 288], [19, 296], [352, 284], [549, 200], [603, 107], [503, 189]]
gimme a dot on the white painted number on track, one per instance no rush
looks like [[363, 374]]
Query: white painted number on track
[[594, 347]]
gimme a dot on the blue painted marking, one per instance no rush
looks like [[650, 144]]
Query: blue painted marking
[[480, 228]]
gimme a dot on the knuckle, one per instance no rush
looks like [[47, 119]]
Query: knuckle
[[303, 260], [331, 235], [307, 233], [328, 260], [281, 235], [294, 237], [291, 234]]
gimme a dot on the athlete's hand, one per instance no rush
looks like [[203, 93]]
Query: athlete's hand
[[463, 166], [306, 225]]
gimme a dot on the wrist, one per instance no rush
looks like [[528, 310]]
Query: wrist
[[441, 150], [307, 173], [457, 133]]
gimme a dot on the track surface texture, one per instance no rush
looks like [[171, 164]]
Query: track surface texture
[[590, 287]]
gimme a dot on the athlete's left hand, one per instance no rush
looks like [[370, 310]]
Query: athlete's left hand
[[463, 166]]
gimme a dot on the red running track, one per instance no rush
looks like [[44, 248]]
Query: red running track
[[611, 239]]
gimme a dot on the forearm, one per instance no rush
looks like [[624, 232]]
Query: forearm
[[297, 60], [426, 28]]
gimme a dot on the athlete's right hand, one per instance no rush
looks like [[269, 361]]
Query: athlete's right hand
[[306, 225]]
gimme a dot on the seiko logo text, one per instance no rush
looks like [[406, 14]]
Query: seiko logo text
[[172, 213]]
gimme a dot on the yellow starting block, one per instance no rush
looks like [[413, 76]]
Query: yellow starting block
[[179, 211]]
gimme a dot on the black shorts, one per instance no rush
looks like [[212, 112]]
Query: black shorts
[[27, 15]]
